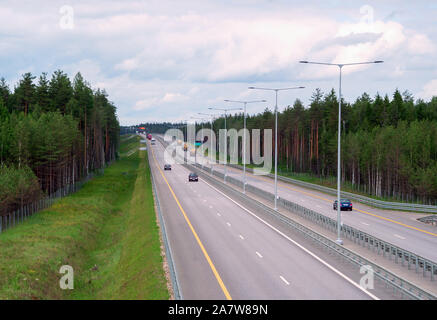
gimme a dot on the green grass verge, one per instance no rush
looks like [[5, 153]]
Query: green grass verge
[[107, 232]]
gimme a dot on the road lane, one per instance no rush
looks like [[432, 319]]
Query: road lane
[[414, 235], [244, 273], [399, 228]]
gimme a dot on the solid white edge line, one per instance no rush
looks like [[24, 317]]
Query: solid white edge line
[[298, 245]]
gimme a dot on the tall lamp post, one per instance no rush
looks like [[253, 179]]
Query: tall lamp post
[[340, 66], [185, 141], [212, 130], [244, 136], [186, 129], [203, 119], [226, 135], [276, 133]]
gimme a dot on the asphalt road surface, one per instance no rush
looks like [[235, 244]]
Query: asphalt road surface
[[222, 250], [399, 228]]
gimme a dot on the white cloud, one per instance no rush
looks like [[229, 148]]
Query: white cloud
[[165, 59], [429, 90], [127, 65], [173, 97], [420, 44], [145, 104], [155, 101]]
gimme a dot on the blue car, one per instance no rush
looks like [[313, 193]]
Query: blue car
[[345, 204]]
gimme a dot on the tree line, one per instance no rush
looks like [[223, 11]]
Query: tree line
[[388, 143], [53, 132]]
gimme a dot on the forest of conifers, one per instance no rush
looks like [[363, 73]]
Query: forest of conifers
[[53, 132], [389, 144]]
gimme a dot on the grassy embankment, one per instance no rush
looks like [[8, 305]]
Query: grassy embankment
[[107, 232]]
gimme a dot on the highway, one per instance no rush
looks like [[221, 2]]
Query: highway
[[223, 250], [399, 228]]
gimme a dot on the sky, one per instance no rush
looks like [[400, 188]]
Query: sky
[[168, 60]]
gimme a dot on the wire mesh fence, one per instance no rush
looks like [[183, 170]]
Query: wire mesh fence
[[15, 217]]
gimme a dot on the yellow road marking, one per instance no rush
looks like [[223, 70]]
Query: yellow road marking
[[214, 270], [362, 211], [397, 222]]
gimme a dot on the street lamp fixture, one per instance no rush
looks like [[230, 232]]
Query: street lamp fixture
[[276, 133], [211, 142], [244, 136], [340, 66], [226, 135]]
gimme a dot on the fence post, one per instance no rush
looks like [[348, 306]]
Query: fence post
[[432, 272]]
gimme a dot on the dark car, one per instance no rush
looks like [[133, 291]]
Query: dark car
[[167, 166], [345, 204], [193, 177]]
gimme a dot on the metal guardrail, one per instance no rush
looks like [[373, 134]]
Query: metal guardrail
[[390, 279], [372, 243], [363, 199], [168, 251], [388, 250]]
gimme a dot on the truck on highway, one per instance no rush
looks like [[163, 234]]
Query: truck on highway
[[149, 136]]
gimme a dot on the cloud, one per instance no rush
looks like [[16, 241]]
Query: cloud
[[145, 104], [173, 97], [154, 101], [167, 59], [429, 90], [420, 44]]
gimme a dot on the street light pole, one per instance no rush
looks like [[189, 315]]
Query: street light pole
[[226, 149], [276, 134], [340, 66], [198, 118], [212, 131], [226, 137], [244, 137], [186, 141]]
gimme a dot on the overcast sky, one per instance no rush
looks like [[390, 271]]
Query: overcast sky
[[167, 60]]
